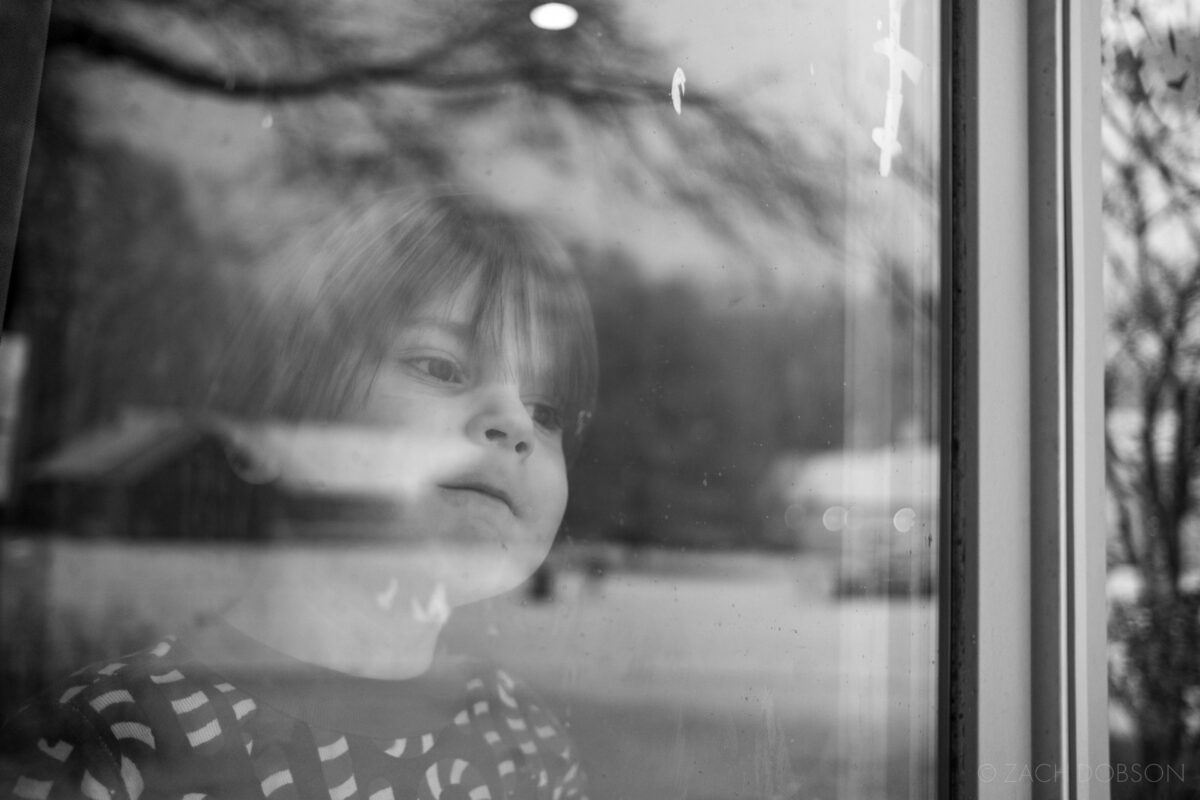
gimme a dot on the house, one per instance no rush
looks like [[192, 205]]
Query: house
[[873, 512], [155, 474]]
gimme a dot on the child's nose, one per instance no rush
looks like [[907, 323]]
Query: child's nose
[[502, 420]]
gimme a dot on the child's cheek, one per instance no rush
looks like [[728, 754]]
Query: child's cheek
[[554, 490]]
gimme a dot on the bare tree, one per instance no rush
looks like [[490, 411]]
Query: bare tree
[[1152, 224], [410, 69], [392, 78]]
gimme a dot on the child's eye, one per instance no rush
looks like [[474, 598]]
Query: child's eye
[[546, 416], [437, 368]]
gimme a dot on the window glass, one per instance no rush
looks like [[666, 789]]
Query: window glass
[[1151, 247], [400, 399]]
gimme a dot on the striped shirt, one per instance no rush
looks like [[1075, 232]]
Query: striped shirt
[[161, 723]]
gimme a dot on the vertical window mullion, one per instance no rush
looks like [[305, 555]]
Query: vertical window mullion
[[1024, 583], [1086, 624], [990, 646]]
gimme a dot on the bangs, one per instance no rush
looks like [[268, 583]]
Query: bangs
[[388, 263], [528, 304]]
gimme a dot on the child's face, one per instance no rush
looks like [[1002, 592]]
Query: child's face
[[478, 449]]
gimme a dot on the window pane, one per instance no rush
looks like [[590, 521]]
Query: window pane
[[474, 397], [1151, 248]]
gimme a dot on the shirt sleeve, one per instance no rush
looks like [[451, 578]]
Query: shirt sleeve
[[51, 750], [545, 740]]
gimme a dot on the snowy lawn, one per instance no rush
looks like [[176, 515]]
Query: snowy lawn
[[681, 676]]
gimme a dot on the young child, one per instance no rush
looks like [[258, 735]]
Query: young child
[[436, 353]]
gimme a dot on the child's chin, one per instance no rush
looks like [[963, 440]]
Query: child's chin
[[466, 574], [465, 589]]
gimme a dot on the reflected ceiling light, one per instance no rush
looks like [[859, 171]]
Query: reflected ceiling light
[[554, 16]]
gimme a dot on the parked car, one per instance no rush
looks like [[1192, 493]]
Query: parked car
[[872, 512]]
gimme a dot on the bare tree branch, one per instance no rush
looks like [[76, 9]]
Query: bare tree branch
[[735, 156]]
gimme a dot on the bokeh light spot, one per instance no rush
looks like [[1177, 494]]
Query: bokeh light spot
[[554, 16], [834, 518], [904, 520]]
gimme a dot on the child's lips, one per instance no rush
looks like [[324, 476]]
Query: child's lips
[[485, 489]]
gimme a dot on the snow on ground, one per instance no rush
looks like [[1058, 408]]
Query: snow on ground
[[755, 684], [718, 676]]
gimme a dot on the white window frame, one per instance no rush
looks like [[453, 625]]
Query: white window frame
[[1024, 644]]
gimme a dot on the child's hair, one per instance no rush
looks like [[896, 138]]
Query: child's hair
[[331, 301]]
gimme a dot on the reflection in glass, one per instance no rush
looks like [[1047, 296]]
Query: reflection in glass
[[270, 254]]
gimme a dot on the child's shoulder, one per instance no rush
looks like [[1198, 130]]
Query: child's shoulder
[[102, 684], [164, 651], [134, 697], [130, 678], [103, 720], [500, 686], [504, 706], [531, 747]]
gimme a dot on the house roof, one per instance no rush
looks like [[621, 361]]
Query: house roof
[[905, 472], [303, 459], [123, 452], [327, 460]]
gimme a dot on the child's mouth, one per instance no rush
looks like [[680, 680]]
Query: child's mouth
[[484, 489]]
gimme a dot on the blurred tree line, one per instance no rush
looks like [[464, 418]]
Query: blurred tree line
[[1152, 271], [695, 403], [700, 391]]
